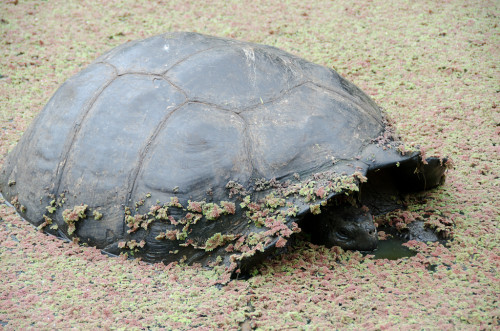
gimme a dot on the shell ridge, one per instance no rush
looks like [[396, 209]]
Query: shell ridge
[[250, 61], [248, 144]]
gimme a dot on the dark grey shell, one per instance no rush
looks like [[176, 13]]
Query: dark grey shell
[[237, 140]]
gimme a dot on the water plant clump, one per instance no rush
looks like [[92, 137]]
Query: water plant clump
[[71, 216]]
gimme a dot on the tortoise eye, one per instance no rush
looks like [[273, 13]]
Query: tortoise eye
[[343, 234]]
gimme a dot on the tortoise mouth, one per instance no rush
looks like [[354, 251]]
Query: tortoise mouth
[[369, 246]]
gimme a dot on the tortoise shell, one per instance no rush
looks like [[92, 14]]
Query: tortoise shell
[[186, 147]]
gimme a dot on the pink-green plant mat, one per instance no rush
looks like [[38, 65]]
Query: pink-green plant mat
[[433, 65]]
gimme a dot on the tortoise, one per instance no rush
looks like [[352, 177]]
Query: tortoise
[[192, 148]]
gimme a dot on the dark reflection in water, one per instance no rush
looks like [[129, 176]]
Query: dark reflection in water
[[392, 249]]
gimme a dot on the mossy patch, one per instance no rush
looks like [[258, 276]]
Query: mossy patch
[[71, 216]]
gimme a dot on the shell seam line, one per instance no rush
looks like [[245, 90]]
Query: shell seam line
[[345, 96], [175, 86], [21, 150], [213, 105], [280, 96], [153, 75], [77, 127], [140, 73], [159, 76], [189, 56], [143, 154]]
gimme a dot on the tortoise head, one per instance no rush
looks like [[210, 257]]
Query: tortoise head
[[349, 227]]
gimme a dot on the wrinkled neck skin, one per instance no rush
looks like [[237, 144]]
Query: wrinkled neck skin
[[349, 227]]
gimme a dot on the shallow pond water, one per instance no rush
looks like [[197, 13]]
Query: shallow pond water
[[392, 249]]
